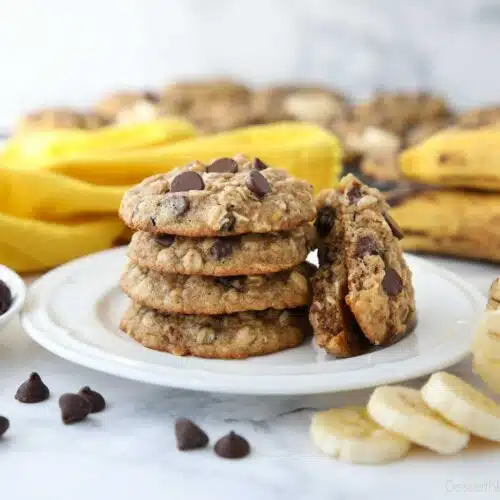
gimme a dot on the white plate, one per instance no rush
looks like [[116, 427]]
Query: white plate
[[18, 291], [74, 311]]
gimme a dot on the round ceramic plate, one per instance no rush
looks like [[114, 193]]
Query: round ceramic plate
[[74, 311]]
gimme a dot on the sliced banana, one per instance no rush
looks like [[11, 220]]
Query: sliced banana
[[488, 370], [352, 436], [487, 336], [403, 411], [462, 405]]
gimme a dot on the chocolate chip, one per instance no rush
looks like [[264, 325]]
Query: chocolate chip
[[228, 222], [187, 181], [354, 194], [221, 249], [396, 230], [232, 446], [236, 282], [165, 240], [74, 408], [96, 401], [325, 256], [4, 425], [33, 390], [325, 221], [257, 183], [366, 245], [392, 282], [153, 221], [189, 436], [223, 165], [177, 204], [151, 97], [5, 297], [258, 164]]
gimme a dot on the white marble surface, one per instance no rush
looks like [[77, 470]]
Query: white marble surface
[[128, 451]]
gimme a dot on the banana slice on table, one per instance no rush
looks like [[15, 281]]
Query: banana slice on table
[[488, 370], [403, 411], [352, 436], [462, 405]]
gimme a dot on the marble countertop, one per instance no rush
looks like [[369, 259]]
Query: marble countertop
[[129, 452]]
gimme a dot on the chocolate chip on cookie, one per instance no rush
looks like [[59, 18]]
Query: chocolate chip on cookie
[[165, 240], [177, 205], [189, 436], [354, 194], [227, 223], [258, 164], [236, 282], [257, 184], [232, 446], [325, 221], [392, 282], [366, 245], [187, 181], [221, 249], [223, 165], [396, 230]]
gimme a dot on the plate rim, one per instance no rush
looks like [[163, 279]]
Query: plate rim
[[214, 383]]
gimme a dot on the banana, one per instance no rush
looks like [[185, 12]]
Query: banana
[[488, 370], [462, 405], [402, 410], [352, 436]]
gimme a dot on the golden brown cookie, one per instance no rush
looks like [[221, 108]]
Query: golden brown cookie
[[234, 336], [128, 106]]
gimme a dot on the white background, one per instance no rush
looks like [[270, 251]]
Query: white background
[[68, 52]]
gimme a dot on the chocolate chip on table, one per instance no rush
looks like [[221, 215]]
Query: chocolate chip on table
[[392, 282], [258, 164], [177, 204], [165, 240], [33, 390], [257, 184], [232, 446], [228, 222], [221, 249], [5, 297], [354, 194], [4, 425], [187, 181], [223, 165], [97, 402], [189, 436], [74, 408], [366, 245], [325, 221], [396, 230]]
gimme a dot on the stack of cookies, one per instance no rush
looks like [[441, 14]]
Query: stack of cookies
[[217, 263]]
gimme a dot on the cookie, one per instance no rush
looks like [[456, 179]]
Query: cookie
[[230, 256], [127, 106], [479, 117], [220, 199], [334, 326], [234, 336], [448, 222], [380, 292], [190, 294], [494, 296]]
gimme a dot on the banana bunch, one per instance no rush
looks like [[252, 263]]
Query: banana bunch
[[486, 349], [440, 416]]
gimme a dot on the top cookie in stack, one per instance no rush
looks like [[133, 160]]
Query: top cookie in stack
[[217, 263]]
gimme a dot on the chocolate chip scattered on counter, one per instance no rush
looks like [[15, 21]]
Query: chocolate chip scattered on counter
[[396, 230], [366, 245], [325, 221], [33, 390], [354, 195], [5, 297], [257, 183], [221, 249], [97, 402], [4, 425], [223, 165], [228, 222], [258, 164], [165, 240], [74, 408], [189, 436], [392, 282], [187, 181], [232, 446]]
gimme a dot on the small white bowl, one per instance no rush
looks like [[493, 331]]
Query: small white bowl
[[18, 291]]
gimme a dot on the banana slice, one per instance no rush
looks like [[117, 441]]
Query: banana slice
[[487, 336], [351, 435], [488, 370], [462, 405], [403, 411]]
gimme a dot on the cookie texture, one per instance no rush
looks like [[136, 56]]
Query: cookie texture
[[380, 292], [230, 256], [494, 296], [226, 197], [335, 328], [235, 336], [191, 294]]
